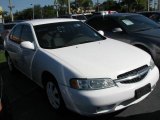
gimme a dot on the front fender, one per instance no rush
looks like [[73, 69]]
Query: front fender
[[55, 66]]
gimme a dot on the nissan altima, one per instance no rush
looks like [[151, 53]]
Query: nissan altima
[[79, 68]]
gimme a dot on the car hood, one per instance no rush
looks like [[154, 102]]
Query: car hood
[[107, 58]]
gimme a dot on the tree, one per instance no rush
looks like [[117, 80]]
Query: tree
[[133, 5], [110, 5], [39, 12], [82, 5]]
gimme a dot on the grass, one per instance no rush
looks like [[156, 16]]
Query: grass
[[2, 57]]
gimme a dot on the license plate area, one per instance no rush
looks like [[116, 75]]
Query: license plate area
[[142, 91]]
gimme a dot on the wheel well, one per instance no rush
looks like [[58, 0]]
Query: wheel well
[[46, 76]]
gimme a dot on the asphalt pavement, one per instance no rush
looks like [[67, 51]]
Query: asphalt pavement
[[28, 101]]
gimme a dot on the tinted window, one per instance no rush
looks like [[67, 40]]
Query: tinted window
[[15, 34], [57, 35], [110, 24], [27, 34], [136, 23], [96, 22]]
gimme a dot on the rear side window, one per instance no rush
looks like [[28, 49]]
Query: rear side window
[[96, 23], [15, 34]]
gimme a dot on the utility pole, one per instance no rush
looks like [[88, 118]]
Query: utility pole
[[56, 5], [69, 7], [98, 5], [148, 5], [42, 12], [11, 7], [32, 11]]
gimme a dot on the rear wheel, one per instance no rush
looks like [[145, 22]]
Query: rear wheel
[[54, 96]]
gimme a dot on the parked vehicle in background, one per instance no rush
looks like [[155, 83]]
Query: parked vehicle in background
[[88, 15], [153, 15], [6, 29], [79, 68], [1, 39], [80, 17], [105, 12], [134, 29]]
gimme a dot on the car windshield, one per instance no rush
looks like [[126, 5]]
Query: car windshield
[[56, 35], [137, 23]]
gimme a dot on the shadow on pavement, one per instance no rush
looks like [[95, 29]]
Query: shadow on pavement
[[29, 102]]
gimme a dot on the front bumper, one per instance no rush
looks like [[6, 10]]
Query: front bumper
[[93, 102]]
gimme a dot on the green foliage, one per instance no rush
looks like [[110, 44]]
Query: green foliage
[[2, 57], [110, 5], [133, 5], [77, 6], [39, 12]]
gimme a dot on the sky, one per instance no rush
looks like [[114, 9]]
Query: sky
[[23, 4]]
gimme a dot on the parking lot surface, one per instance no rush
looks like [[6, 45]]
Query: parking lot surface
[[27, 101]]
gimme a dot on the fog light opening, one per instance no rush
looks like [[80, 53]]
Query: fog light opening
[[104, 109]]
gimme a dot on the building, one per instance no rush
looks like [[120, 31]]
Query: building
[[154, 4]]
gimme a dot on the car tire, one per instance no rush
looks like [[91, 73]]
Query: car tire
[[54, 96], [10, 64]]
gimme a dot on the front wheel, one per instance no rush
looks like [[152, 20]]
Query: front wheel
[[54, 96]]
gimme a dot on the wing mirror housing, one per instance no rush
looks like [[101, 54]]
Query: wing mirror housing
[[101, 32], [27, 45]]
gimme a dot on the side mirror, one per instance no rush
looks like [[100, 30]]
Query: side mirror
[[117, 30], [101, 32], [27, 45]]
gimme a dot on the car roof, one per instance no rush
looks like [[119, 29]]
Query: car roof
[[47, 21], [122, 14], [149, 12], [116, 15]]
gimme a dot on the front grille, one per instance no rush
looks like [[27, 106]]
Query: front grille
[[133, 76]]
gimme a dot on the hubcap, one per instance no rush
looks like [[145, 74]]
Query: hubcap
[[53, 95]]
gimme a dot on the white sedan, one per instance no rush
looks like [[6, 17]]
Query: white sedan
[[80, 69]]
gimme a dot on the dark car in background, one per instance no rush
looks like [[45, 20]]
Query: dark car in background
[[153, 15], [4, 30], [131, 28]]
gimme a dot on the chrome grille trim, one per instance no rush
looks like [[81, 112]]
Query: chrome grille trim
[[133, 76]]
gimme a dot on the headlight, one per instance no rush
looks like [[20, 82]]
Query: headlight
[[152, 65], [92, 84]]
